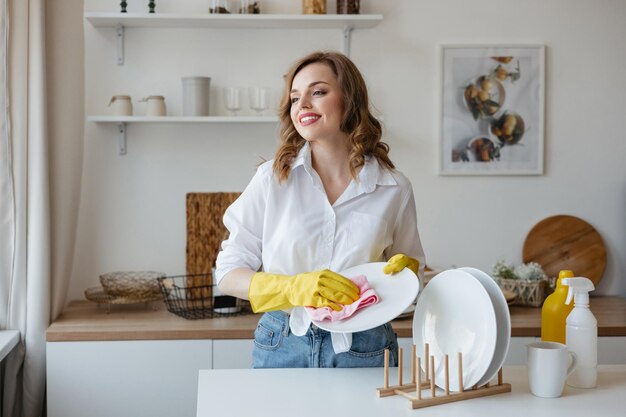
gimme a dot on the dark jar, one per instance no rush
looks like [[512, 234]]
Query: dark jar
[[348, 6]]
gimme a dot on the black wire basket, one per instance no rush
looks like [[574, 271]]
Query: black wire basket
[[195, 297]]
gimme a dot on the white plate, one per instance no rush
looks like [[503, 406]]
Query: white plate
[[396, 292], [454, 314], [503, 322]]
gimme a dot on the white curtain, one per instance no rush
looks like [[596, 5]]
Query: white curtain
[[24, 205]]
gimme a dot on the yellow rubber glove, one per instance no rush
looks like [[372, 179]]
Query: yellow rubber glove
[[269, 292], [400, 261]]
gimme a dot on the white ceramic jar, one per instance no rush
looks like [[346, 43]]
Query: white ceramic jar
[[155, 106], [121, 105], [196, 96]]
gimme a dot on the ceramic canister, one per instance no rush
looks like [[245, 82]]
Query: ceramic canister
[[155, 106], [196, 96], [121, 105]]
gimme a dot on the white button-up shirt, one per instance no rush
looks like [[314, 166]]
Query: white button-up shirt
[[291, 227]]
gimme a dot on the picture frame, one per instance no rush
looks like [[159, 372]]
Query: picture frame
[[492, 109]]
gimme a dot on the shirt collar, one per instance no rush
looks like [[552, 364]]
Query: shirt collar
[[303, 158], [371, 174]]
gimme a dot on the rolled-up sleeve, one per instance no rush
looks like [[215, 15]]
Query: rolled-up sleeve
[[244, 220], [406, 237]]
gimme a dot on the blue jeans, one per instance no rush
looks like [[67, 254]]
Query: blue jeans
[[276, 347]]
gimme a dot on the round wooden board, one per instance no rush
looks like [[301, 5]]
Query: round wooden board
[[566, 242]]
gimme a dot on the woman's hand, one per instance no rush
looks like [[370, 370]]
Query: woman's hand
[[400, 261], [323, 288]]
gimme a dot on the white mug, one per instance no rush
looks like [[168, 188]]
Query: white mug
[[548, 368]]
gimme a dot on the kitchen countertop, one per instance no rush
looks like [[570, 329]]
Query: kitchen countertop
[[86, 321], [352, 392]]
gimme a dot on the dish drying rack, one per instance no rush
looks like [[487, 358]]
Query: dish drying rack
[[413, 390]]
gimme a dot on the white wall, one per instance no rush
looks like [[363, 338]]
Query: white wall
[[132, 208]]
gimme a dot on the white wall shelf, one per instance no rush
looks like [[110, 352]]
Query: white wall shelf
[[120, 21], [122, 121], [183, 119], [234, 21]]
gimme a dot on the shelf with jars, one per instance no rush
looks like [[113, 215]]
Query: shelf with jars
[[118, 21], [344, 22]]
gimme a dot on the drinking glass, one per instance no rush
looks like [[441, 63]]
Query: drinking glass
[[259, 99], [232, 98]]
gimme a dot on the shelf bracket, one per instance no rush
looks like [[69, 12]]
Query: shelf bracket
[[120, 44], [345, 40], [121, 139]]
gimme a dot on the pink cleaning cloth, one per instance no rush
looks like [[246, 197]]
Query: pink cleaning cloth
[[368, 297]]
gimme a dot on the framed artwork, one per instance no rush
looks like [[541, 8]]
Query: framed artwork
[[492, 110]]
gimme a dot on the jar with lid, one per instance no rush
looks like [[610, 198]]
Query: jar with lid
[[218, 6], [196, 96], [121, 105], [314, 6], [348, 6], [155, 105]]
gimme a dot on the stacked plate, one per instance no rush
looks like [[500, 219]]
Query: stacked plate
[[462, 311]]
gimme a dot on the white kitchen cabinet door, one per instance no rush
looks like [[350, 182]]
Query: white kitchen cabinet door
[[515, 356], [232, 354], [125, 378], [611, 350]]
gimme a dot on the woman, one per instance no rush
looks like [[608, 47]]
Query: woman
[[331, 199]]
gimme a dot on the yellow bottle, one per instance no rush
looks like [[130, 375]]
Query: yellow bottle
[[554, 311]]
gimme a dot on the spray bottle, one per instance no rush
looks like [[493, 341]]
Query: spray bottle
[[555, 311], [581, 333]]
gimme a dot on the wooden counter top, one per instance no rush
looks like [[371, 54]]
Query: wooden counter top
[[86, 321]]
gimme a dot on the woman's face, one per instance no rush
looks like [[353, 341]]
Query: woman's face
[[316, 103]]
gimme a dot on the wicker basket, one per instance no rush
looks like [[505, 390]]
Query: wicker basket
[[132, 284], [192, 297], [529, 293]]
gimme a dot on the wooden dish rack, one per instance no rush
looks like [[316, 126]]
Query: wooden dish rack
[[413, 390]]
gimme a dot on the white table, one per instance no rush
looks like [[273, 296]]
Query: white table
[[352, 392], [8, 340]]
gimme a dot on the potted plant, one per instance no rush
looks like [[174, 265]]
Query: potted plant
[[528, 281]]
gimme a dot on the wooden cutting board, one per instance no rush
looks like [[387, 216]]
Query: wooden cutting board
[[566, 242]]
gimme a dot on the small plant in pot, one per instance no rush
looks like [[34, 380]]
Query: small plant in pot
[[528, 281]]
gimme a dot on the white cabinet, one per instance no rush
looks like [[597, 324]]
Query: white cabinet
[[232, 354], [125, 378], [155, 378], [515, 356], [517, 350], [159, 377], [611, 350]]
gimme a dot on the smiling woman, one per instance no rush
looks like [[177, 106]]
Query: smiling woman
[[330, 200]]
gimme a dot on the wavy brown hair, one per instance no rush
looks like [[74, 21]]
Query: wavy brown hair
[[363, 130]]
